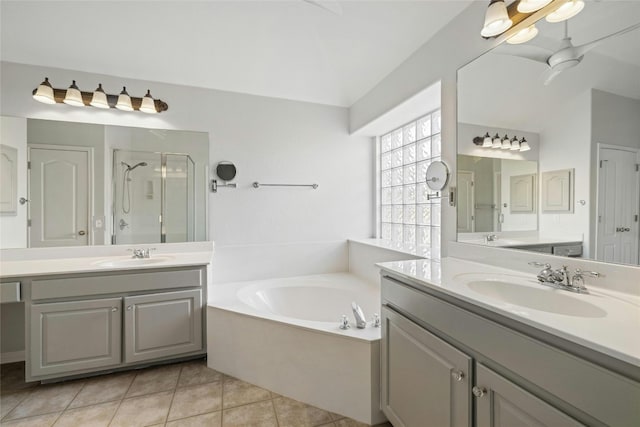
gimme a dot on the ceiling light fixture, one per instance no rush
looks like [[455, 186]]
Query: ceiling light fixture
[[496, 19], [530, 6], [47, 94], [99, 98], [566, 11], [73, 96], [524, 35], [44, 92]]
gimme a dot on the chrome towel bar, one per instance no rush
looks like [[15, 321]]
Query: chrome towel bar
[[258, 185]]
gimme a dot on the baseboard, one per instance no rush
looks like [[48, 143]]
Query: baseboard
[[12, 356]]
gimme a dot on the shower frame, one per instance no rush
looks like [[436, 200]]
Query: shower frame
[[163, 188]]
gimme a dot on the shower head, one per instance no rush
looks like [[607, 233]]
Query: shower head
[[130, 168]]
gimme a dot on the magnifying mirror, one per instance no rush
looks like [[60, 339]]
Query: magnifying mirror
[[437, 175], [226, 171]]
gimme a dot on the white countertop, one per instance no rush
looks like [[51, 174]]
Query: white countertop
[[42, 267], [614, 333], [506, 242]]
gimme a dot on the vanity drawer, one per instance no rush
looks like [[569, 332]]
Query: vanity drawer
[[608, 397], [81, 285], [9, 292]]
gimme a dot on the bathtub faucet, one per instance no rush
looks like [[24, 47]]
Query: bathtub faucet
[[361, 322]]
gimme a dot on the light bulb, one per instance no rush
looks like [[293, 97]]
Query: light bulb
[[566, 11], [44, 92], [148, 104], [496, 19], [99, 98], [523, 35], [73, 96], [124, 101], [529, 6]]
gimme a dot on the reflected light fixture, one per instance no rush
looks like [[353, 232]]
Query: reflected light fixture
[[523, 35], [73, 96], [44, 92], [148, 104], [530, 6], [496, 19], [524, 145], [124, 101], [566, 11], [506, 143], [486, 142], [99, 98], [515, 145], [497, 142]]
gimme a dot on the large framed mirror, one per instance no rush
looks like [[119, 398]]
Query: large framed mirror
[[90, 184], [576, 190]]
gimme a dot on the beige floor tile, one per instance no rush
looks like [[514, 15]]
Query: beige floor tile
[[39, 421], [236, 393], [260, 414], [154, 380], [212, 419], [105, 388], [328, 425], [347, 422], [197, 372], [10, 400], [196, 400], [45, 399], [143, 411], [336, 417], [94, 416], [292, 413]]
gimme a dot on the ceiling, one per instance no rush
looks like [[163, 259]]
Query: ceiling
[[285, 49]]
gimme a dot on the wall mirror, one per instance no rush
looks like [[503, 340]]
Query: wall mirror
[[576, 180], [90, 184]]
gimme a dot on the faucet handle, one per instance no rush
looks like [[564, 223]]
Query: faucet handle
[[344, 322], [540, 264], [582, 273]]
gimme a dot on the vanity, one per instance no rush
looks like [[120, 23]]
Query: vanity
[[471, 344], [100, 314]]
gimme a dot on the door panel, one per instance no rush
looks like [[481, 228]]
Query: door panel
[[73, 336], [466, 202], [161, 325], [503, 404], [418, 386], [59, 191]]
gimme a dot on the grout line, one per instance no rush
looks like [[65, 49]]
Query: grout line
[[124, 395], [275, 413], [84, 383]]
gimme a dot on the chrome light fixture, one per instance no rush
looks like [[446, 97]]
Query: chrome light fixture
[[486, 142], [530, 6], [124, 101], [524, 145], [524, 35], [73, 96], [44, 92], [515, 145], [566, 11], [148, 104], [496, 19], [99, 98]]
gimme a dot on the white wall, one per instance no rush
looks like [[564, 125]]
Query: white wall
[[565, 144], [13, 228], [269, 140]]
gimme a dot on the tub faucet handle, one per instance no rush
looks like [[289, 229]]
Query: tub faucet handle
[[376, 320], [344, 322]]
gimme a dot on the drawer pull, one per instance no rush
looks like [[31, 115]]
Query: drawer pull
[[457, 375], [114, 309], [129, 308], [479, 391]]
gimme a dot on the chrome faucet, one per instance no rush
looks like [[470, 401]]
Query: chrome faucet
[[142, 253], [491, 237], [561, 278], [361, 322]]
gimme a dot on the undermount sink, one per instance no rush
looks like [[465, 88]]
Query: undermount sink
[[511, 290], [132, 262]]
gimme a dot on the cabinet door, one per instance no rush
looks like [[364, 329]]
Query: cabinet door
[[161, 325], [500, 403], [425, 381], [74, 336]]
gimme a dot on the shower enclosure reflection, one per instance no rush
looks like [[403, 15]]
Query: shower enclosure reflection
[[153, 197]]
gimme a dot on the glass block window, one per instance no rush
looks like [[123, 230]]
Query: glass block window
[[407, 216]]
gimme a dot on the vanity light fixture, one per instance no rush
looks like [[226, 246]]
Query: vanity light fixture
[[496, 19], [524, 145], [486, 141], [530, 6], [47, 94], [566, 11], [99, 98], [506, 143], [497, 142], [73, 96], [515, 145], [524, 35]]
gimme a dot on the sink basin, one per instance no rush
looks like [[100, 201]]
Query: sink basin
[[132, 262], [512, 290]]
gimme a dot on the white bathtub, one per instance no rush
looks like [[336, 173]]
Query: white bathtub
[[283, 334]]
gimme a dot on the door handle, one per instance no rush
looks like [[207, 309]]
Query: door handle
[[81, 232]]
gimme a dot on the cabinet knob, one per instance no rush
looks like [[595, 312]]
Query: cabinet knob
[[129, 308], [114, 309], [457, 375], [479, 391]]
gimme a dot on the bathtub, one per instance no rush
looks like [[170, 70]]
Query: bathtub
[[283, 335]]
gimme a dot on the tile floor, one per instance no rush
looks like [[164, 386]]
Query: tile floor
[[176, 395]]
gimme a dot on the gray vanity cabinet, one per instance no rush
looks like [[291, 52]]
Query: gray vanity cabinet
[[161, 325], [72, 336], [501, 403], [423, 377]]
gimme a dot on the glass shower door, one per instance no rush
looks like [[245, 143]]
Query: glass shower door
[[178, 217]]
